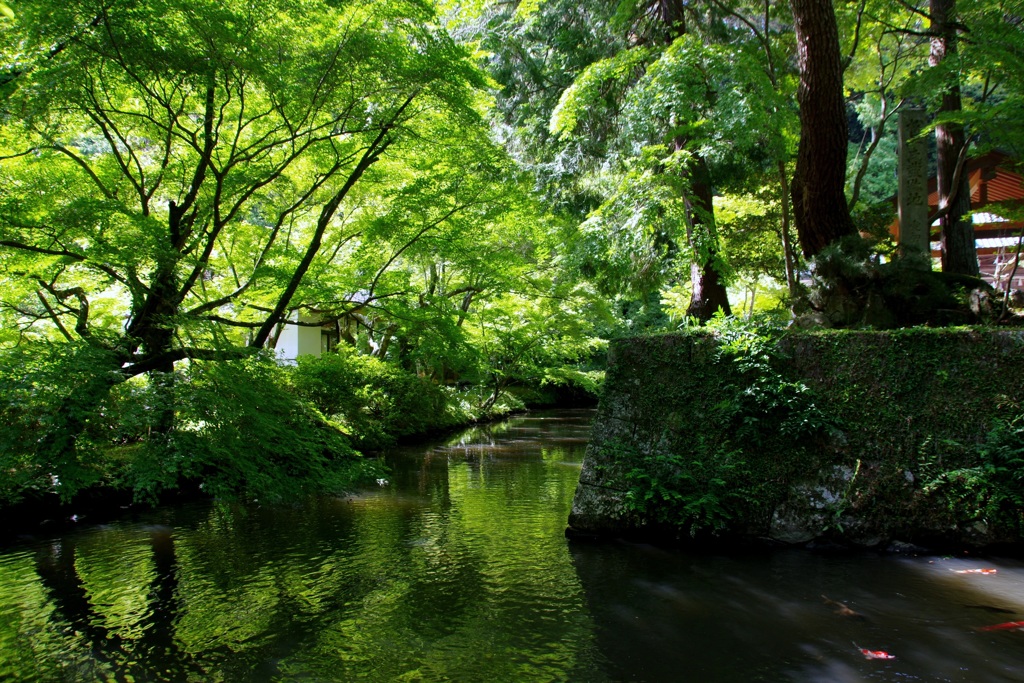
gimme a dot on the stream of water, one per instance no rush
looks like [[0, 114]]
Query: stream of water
[[457, 569]]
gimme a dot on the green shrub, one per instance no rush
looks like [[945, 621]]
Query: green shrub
[[991, 491], [1003, 457], [700, 491], [52, 399], [72, 422], [376, 402], [242, 432]]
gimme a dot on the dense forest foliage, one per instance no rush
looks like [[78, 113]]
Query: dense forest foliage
[[468, 199]]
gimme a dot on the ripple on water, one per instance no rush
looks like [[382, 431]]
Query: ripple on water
[[458, 570]]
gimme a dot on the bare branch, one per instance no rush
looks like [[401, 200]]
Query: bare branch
[[81, 313], [53, 316], [961, 164], [856, 36], [86, 167], [144, 365], [177, 222], [42, 250], [271, 239], [16, 155], [230, 322]]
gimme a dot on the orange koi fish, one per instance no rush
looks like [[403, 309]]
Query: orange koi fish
[[874, 654], [1007, 626], [974, 571]]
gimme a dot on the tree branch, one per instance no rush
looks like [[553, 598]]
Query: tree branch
[[915, 10], [144, 365], [81, 314], [53, 316], [961, 163], [86, 167], [177, 212], [856, 36], [41, 250], [370, 156]]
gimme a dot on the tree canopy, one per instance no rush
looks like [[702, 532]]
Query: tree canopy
[[478, 194]]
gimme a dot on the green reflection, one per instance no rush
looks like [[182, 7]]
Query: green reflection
[[34, 640], [485, 588], [116, 570], [456, 571]]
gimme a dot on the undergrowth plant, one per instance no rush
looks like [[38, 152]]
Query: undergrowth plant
[[699, 491], [376, 402], [991, 491], [729, 466], [765, 401]]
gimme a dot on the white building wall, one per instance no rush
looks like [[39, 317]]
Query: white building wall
[[298, 340]]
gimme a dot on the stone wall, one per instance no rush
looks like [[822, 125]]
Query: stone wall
[[894, 454]]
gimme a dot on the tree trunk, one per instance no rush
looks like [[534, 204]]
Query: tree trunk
[[708, 294], [153, 328], [789, 256], [957, 234], [707, 291], [819, 200]]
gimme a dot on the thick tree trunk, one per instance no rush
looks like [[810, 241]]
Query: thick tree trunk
[[959, 254], [708, 294], [707, 290], [152, 327], [819, 201]]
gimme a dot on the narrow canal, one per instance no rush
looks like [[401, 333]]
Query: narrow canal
[[456, 569]]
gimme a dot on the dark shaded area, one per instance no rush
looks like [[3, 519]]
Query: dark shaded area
[[156, 656], [762, 617], [48, 514], [849, 437]]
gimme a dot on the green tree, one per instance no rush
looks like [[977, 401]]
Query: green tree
[[819, 200], [203, 157], [653, 119], [174, 174], [537, 339], [638, 203]]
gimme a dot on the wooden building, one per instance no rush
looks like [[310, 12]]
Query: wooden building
[[992, 182]]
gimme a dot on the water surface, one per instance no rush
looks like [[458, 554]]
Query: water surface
[[457, 569]]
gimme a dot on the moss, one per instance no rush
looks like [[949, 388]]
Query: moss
[[901, 409]]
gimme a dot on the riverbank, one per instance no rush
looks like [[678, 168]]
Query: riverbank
[[457, 570], [851, 438], [46, 512]]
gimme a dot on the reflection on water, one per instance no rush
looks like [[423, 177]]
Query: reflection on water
[[796, 616], [458, 570]]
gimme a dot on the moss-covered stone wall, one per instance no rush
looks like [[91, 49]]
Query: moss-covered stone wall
[[866, 438]]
